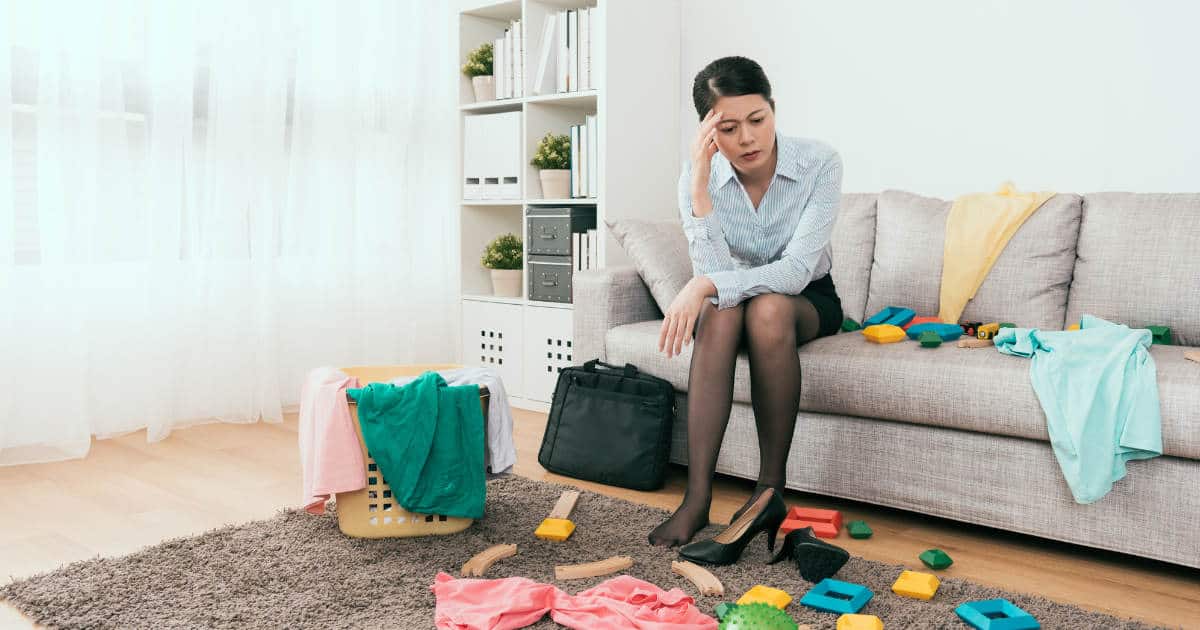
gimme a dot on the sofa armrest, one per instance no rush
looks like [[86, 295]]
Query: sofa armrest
[[604, 299]]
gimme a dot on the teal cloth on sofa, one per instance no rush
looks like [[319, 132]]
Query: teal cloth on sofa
[[1099, 389], [427, 438]]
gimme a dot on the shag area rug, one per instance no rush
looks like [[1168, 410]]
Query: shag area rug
[[298, 571]]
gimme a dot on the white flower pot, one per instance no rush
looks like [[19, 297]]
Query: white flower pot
[[556, 183], [485, 88], [506, 282]]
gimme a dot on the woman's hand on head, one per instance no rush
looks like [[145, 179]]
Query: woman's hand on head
[[679, 322], [704, 147]]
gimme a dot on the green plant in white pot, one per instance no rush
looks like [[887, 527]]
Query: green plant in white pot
[[479, 69], [503, 257], [553, 157]]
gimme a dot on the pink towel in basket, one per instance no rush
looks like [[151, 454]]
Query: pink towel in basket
[[329, 450], [515, 602]]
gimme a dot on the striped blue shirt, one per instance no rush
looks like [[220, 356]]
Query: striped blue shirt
[[781, 246]]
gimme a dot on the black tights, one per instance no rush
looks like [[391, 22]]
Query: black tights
[[770, 326]]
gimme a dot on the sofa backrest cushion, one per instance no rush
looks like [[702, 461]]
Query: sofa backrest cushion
[[1138, 263], [1027, 285], [659, 252], [853, 244]]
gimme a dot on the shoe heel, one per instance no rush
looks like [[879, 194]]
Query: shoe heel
[[772, 532]]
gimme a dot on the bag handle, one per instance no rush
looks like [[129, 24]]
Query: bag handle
[[629, 369]]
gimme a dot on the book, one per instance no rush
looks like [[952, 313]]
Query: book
[[498, 66], [573, 51], [575, 161], [508, 64], [593, 260], [587, 248], [583, 161], [518, 58], [584, 42], [561, 68], [593, 156], [547, 46], [576, 259]]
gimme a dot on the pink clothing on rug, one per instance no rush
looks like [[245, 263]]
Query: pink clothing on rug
[[515, 602], [329, 450]]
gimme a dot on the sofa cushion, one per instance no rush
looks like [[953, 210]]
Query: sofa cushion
[[659, 252], [1027, 285], [975, 390], [853, 244], [1137, 262]]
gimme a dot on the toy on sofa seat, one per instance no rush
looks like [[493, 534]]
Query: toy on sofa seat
[[945, 332], [883, 333], [916, 321], [893, 315], [929, 339], [988, 331], [1160, 335], [1192, 355], [556, 527], [849, 325], [975, 342]]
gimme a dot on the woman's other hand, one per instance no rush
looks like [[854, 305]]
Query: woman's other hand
[[679, 321]]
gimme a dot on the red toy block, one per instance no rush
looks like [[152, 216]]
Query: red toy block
[[825, 523], [921, 320]]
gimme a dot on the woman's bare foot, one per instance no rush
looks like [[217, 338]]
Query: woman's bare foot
[[691, 517]]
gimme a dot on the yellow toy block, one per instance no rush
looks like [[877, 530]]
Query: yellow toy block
[[916, 585], [766, 595], [1074, 326], [859, 622], [556, 529], [884, 333]]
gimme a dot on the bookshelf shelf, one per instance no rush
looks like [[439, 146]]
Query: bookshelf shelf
[[635, 76]]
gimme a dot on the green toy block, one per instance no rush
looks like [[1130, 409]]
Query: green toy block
[[757, 616], [859, 529], [1007, 325], [930, 339], [935, 559], [1162, 334], [849, 325], [723, 609]]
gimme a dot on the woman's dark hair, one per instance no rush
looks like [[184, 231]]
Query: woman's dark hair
[[729, 76]]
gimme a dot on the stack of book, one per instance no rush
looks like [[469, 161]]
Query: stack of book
[[565, 52], [508, 61], [585, 155], [585, 250]]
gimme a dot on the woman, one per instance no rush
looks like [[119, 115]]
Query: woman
[[758, 209]]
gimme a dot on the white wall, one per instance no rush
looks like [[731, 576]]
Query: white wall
[[944, 97]]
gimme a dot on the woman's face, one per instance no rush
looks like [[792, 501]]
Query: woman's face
[[746, 133]]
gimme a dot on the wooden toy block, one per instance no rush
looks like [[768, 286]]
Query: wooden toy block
[[859, 622], [976, 343], [592, 569], [836, 596], [996, 614], [757, 617], [945, 332], [705, 581], [929, 339], [883, 333], [825, 523], [916, 585], [892, 315], [1160, 334], [482, 561], [557, 527], [921, 320], [849, 325], [936, 559], [859, 529], [1192, 355], [765, 595], [987, 331]]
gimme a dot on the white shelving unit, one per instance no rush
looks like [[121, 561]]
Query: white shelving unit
[[636, 75]]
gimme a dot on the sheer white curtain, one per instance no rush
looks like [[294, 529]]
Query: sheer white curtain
[[200, 201]]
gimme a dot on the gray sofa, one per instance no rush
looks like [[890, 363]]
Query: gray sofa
[[953, 432]]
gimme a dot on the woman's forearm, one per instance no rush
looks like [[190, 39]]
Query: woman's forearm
[[701, 202]]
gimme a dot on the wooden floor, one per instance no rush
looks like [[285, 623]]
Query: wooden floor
[[128, 494]]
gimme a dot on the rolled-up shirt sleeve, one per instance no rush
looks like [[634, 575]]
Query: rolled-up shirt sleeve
[[796, 267]]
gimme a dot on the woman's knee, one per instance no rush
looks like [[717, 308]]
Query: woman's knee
[[723, 322], [770, 321]]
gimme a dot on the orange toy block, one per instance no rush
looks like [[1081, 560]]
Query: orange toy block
[[921, 320], [825, 523]]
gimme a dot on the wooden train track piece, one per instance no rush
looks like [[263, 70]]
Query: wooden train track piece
[[698, 575], [592, 569], [971, 342], [482, 561]]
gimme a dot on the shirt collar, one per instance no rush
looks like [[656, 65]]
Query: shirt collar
[[790, 163]]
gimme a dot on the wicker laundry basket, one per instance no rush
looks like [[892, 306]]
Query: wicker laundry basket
[[373, 512]]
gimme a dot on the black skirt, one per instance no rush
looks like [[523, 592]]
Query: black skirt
[[824, 297]]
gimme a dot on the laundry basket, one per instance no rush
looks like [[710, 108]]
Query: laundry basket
[[373, 512]]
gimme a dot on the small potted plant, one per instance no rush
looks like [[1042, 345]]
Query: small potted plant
[[553, 157], [479, 69], [503, 257]]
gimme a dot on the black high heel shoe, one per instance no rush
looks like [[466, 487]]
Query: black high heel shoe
[[766, 514], [815, 558]]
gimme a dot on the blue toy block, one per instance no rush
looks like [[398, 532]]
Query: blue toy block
[[894, 315], [996, 614], [948, 332], [836, 596]]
